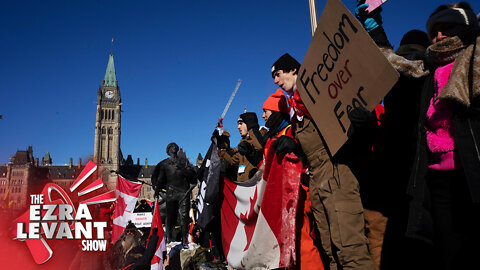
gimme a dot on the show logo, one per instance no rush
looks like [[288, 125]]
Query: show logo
[[53, 216]]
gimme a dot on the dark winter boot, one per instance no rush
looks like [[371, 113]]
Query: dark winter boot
[[185, 236]]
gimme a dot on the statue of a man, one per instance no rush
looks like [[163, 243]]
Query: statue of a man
[[175, 174]]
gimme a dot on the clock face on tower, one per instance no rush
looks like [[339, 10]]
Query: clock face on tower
[[109, 94]]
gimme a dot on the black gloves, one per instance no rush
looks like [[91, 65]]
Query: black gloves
[[223, 141], [284, 145], [253, 156], [362, 120], [244, 147], [362, 132]]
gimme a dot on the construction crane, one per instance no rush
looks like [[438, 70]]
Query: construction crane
[[220, 120]]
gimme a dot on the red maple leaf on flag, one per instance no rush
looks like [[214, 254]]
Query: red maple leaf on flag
[[246, 218], [251, 212], [121, 206]]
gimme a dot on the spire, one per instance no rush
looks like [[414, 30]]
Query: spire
[[46, 160], [110, 79]]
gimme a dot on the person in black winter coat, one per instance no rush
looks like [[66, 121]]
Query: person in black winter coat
[[445, 180], [139, 257], [129, 253], [176, 175], [399, 131]]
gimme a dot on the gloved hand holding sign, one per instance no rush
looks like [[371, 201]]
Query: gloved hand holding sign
[[370, 20]]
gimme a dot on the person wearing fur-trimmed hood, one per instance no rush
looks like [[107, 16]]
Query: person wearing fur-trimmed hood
[[445, 181]]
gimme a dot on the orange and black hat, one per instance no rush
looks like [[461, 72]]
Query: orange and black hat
[[276, 102]]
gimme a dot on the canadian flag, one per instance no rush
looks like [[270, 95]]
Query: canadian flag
[[258, 216], [157, 260], [126, 197]]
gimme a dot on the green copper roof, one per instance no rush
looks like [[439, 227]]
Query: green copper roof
[[110, 78]]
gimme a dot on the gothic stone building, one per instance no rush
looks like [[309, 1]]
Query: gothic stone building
[[24, 175], [107, 153]]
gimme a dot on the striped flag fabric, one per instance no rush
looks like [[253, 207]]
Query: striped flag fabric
[[126, 197], [157, 260], [259, 216]]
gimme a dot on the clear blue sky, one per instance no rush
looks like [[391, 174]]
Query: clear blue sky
[[176, 62]]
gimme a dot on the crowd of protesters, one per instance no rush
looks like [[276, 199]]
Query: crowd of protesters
[[402, 193]]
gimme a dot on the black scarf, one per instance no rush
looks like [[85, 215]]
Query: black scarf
[[274, 122]]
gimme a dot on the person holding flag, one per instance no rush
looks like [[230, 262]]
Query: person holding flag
[[157, 260], [209, 198], [263, 225], [126, 197], [334, 190], [281, 142]]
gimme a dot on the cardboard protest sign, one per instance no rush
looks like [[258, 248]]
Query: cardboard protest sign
[[343, 69]]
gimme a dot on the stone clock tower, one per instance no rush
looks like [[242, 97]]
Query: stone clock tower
[[107, 154]]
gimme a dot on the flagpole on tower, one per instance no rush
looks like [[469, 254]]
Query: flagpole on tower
[[111, 46], [313, 15]]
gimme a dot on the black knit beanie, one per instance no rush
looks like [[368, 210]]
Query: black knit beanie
[[286, 62], [250, 119], [416, 37], [414, 45]]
